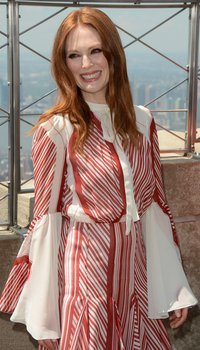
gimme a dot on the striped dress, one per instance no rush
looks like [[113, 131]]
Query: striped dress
[[84, 274]]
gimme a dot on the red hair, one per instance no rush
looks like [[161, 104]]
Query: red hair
[[118, 96]]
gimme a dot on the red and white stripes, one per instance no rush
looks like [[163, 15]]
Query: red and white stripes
[[101, 271]]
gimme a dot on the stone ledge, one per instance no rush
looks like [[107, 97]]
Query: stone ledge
[[182, 186], [25, 208], [7, 235]]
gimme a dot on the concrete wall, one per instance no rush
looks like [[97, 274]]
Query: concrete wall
[[182, 186]]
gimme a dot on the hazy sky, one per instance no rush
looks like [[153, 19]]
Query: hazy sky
[[171, 37]]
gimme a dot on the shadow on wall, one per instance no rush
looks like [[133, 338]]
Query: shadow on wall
[[14, 335]]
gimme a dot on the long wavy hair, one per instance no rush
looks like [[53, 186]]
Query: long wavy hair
[[118, 95]]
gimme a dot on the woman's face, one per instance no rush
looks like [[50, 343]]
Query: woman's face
[[87, 62]]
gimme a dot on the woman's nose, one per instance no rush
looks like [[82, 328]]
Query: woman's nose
[[86, 61]]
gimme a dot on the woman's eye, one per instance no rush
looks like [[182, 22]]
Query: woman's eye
[[73, 55], [97, 50]]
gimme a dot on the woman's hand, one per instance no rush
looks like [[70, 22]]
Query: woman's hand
[[178, 317], [48, 343]]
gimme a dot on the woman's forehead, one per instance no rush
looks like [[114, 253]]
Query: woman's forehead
[[82, 35]]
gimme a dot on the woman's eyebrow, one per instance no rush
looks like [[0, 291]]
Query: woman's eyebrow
[[89, 48]]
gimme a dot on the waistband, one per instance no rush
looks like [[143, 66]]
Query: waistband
[[82, 217]]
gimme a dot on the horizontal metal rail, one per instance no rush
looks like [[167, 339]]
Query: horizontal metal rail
[[29, 114], [170, 132], [122, 2], [175, 150], [169, 110], [106, 4], [136, 6]]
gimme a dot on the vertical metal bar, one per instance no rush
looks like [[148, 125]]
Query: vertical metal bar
[[16, 109], [188, 127], [10, 124], [14, 132], [193, 76]]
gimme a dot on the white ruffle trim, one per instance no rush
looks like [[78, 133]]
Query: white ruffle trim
[[131, 208], [38, 307], [168, 288]]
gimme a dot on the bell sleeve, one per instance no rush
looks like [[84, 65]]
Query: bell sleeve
[[168, 288], [31, 292]]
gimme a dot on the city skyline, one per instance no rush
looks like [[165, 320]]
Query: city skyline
[[150, 74], [145, 87]]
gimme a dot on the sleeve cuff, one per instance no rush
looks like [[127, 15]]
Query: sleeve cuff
[[168, 288], [38, 306]]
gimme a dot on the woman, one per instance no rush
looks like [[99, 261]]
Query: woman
[[100, 265]]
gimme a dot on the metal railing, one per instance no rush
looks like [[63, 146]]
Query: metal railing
[[19, 114]]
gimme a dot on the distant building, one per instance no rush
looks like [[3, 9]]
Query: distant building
[[140, 93]]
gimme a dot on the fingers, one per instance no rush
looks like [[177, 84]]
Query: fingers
[[178, 317], [48, 343]]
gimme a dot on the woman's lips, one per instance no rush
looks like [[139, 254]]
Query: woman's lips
[[90, 76]]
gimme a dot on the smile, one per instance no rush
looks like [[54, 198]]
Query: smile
[[91, 76]]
